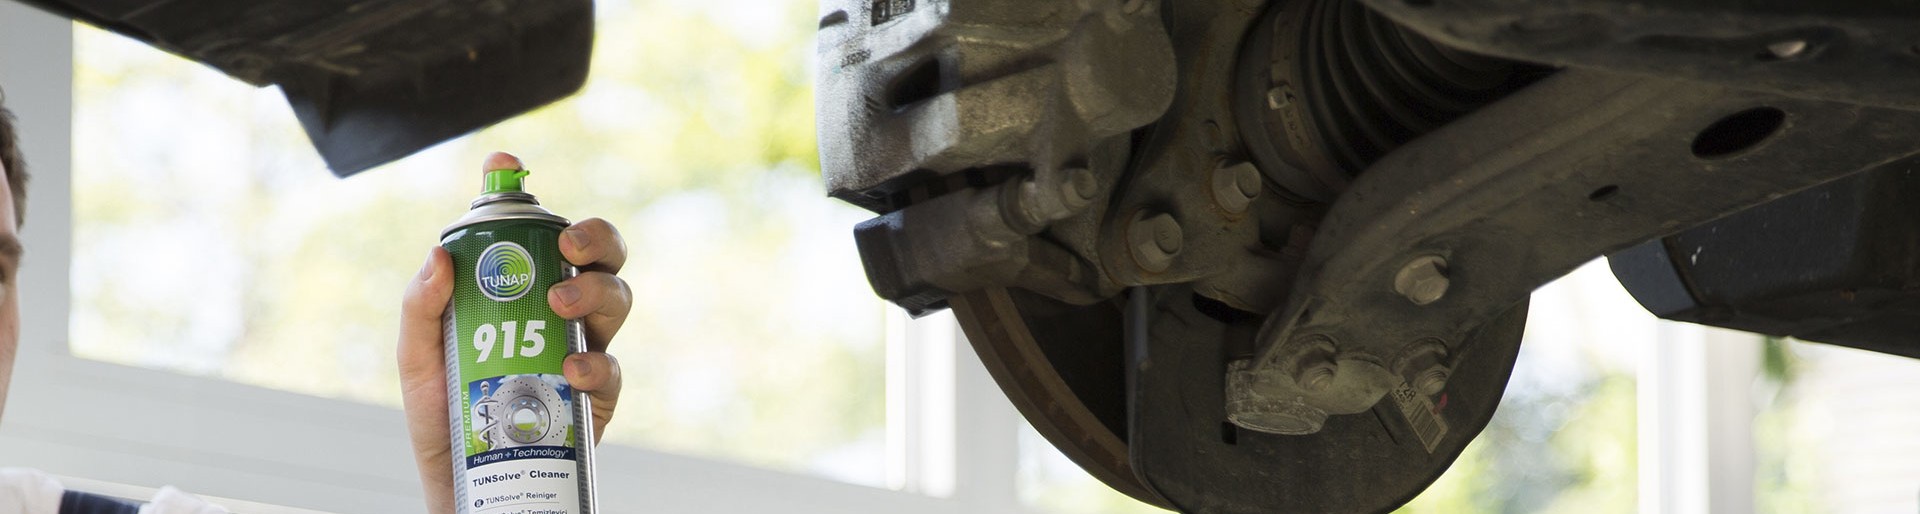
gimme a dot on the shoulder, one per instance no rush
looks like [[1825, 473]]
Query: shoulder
[[173, 501], [26, 491]]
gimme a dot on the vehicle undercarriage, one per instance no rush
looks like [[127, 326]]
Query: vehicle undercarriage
[[1246, 256]]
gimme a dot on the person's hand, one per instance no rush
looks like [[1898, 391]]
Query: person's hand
[[596, 297]]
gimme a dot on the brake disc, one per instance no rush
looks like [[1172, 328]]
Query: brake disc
[[1165, 440], [526, 411], [1064, 369]]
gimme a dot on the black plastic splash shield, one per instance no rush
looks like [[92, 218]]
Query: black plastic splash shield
[[372, 81]]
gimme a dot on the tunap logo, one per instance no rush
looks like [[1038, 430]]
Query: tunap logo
[[505, 271]]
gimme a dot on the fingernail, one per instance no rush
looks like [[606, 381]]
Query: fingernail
[[567, 293], [422, 275], [577, 237], [501, 161], [579, 366]]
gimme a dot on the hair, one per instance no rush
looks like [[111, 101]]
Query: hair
[[10, 157]]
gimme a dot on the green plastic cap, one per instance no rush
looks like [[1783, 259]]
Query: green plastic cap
[[504, 181]]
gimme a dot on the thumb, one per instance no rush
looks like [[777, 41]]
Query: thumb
[[423, 376], [421, 345], [501, 161]]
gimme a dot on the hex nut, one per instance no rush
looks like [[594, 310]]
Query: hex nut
[[1431, 381], [1423, 280], [1311, 363], [1423, 365]]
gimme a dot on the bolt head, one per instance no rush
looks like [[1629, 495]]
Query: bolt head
[[1155, 240], [1423, 280], [1081, 185], [1246, 179], [1235, 186], [1029, 202], [1167, 236], [1280, 97]]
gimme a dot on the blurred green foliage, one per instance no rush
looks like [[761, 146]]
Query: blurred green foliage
[[1787, 459]]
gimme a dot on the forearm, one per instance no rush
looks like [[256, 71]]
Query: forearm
[[427, 430]]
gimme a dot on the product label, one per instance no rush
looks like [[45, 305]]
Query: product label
[[1421, 415], [514, 413]]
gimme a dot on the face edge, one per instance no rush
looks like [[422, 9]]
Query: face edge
[[9, 289]]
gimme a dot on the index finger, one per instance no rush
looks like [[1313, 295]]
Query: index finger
[[594, 245]]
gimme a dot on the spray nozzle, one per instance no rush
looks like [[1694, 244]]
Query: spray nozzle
[[504, 181]]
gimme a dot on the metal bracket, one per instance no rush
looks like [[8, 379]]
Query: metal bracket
[[1842, 50], [1523, 191]]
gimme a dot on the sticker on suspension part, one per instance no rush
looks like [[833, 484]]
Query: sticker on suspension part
[[1420, 414]]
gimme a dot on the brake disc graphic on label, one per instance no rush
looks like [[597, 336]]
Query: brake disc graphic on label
[[529, 412]]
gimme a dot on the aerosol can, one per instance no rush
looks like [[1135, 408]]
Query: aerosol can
[[522, 437]]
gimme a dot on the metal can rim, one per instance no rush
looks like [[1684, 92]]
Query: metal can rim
[[464, 223], [503, 209]]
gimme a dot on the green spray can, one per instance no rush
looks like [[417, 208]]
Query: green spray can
[[522, 437]]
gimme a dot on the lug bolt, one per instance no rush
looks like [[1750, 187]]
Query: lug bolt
[[1423, 280], [1155, 239]]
